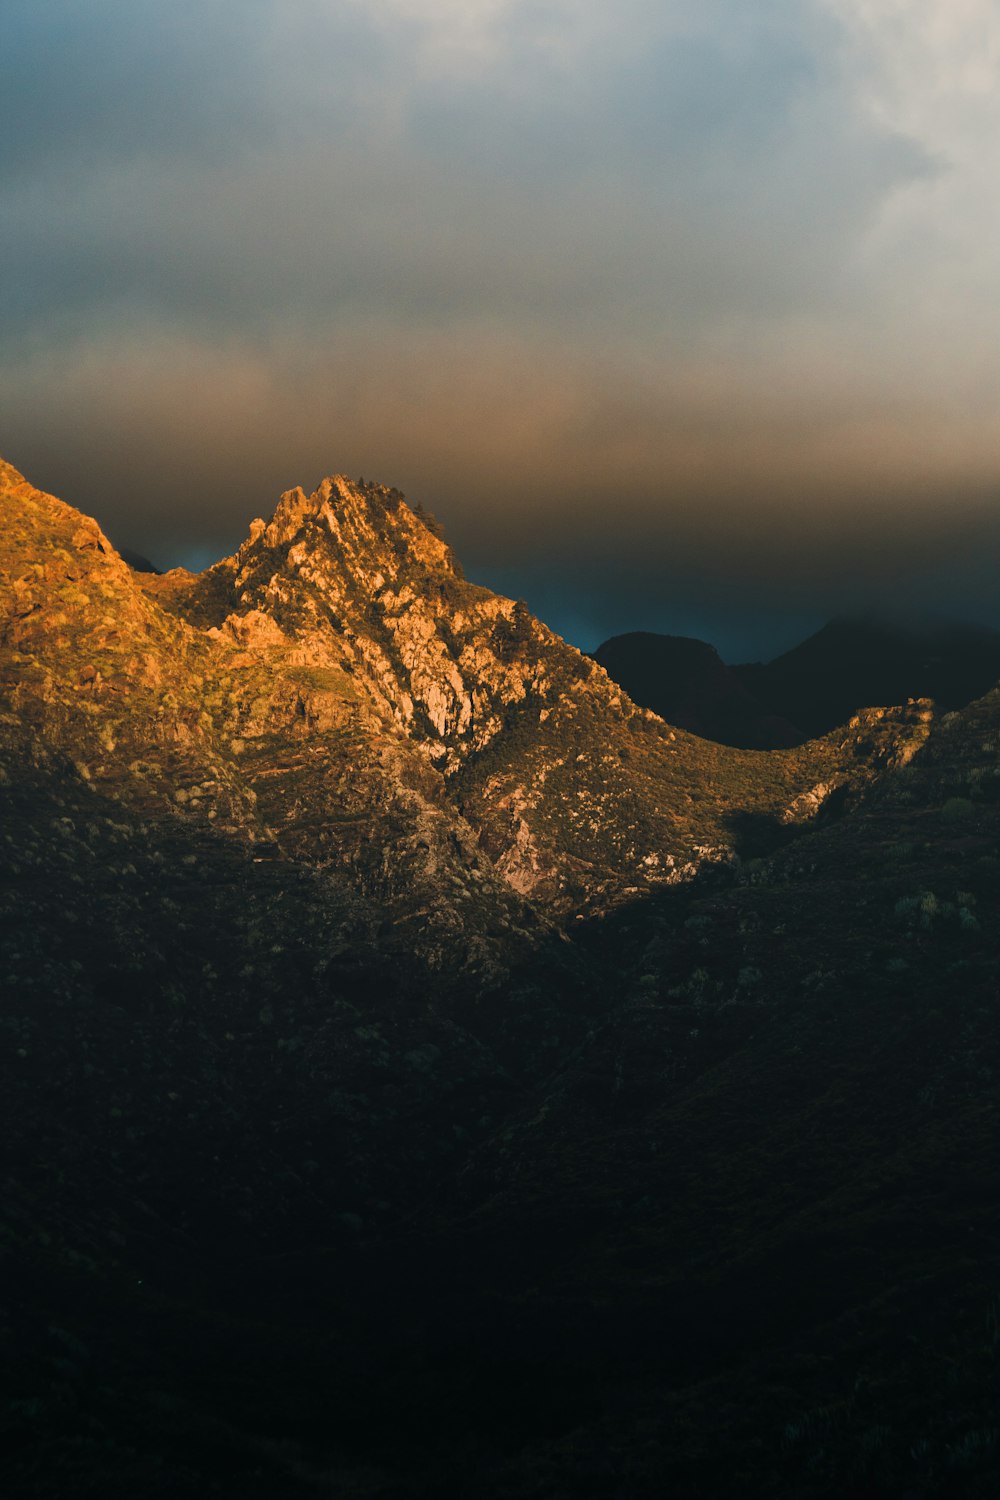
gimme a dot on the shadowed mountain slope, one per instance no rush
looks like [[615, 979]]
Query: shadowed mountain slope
[[137, 562], [760, 1189]]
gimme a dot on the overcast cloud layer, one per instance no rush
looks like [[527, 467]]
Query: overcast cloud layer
[[681, 315]]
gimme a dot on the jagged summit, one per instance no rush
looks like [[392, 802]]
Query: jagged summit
[[351, 578], [362, 520], [337, 492]]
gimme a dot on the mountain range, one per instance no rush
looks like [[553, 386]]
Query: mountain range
[[850, 663], [429, 1072]]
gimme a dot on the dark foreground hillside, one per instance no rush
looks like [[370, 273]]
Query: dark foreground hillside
[[704, 1200], [334, 1165]]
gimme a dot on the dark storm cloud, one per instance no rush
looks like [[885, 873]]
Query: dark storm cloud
[[555, 271]]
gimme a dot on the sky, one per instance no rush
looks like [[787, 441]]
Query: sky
[[681, 315]]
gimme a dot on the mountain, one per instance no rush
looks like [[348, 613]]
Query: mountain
[[854, 662], [427, 1073], [686, 682], [338, 676]]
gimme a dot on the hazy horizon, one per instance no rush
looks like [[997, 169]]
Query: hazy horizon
[[754, 610]]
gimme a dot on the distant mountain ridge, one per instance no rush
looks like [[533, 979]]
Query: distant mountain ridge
[[687, 683], [849, 664], [856, 661]]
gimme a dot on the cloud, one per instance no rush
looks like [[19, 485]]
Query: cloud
[[722, 271], [650, 171], [930, 73]]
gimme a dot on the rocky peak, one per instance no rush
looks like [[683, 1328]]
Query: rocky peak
[[367, 524], [352, 578]]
